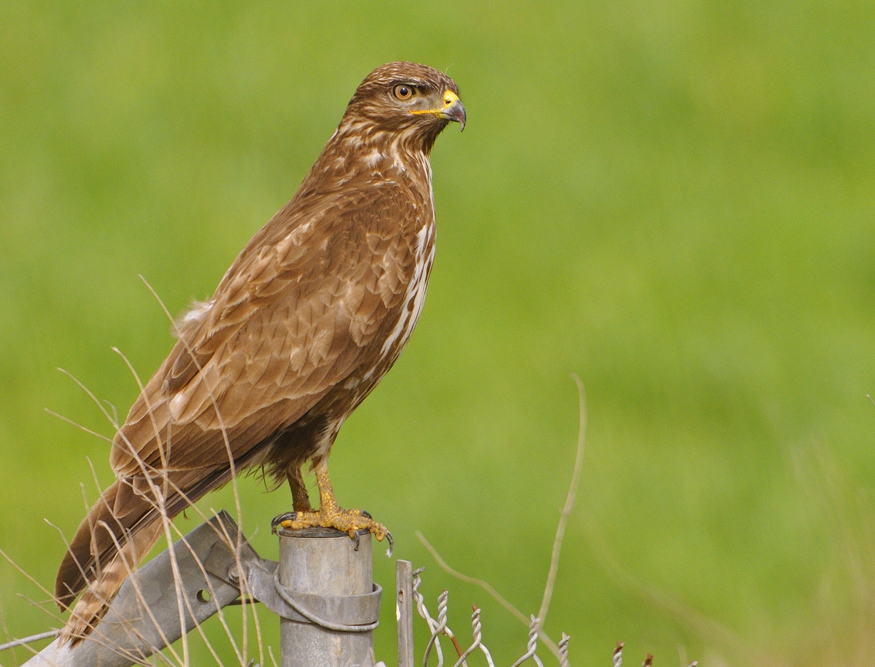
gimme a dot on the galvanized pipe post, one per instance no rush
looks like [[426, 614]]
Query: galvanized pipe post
[[404, 611], [327, 578]]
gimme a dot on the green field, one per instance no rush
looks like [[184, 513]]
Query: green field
[[673, 201]]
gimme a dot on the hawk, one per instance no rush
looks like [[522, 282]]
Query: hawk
[[308, 319]]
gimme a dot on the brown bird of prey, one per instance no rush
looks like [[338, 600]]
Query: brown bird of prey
[[308, 319]]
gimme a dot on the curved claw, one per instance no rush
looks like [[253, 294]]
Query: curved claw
[[280, 518], [348, 521], [391, 542]]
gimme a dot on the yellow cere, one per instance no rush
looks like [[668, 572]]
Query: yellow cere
[[450, 98]]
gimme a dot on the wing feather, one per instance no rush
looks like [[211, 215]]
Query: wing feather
[[297, 313]]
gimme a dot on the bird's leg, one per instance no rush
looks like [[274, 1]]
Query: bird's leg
[[300, 497], [332, 515]]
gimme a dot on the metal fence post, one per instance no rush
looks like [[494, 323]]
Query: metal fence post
[[327, 578], [404, 611]]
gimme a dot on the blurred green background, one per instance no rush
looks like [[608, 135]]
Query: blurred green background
[[672, 200]]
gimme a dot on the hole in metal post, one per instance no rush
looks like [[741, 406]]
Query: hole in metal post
[[203, 596]]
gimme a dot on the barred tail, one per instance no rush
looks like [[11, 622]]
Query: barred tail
[[118, 531]]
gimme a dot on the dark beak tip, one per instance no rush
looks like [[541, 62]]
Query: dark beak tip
[[456, 113]]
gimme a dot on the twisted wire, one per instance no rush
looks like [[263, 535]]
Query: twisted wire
[[618, 655], [439, 626], [563, 650], [532, 646]]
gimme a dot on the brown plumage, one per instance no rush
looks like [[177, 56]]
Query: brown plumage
[[310, 316]]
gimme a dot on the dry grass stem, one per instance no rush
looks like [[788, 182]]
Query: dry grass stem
[[112, 419], [238, 508], [569, 505], [557, 541], [486, 586], [29, 640], [695, 621], [79, 426], [160, 488]]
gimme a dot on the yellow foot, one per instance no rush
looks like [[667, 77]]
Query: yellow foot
[[347, 521]]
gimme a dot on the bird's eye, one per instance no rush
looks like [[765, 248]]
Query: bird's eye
[[403, 92]]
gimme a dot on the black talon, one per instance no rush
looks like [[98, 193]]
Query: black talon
[[391, 544], [277, 520], [357, 539]]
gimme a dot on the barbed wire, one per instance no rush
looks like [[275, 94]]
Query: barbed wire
[[618, 655], [439, 626], [563, 650], [648, 661]]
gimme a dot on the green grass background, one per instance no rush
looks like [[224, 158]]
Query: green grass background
[[673, 200]]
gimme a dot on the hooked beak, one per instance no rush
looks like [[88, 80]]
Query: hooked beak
[[452, 109]]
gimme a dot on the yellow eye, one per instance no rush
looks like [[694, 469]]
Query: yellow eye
[[403, 92]]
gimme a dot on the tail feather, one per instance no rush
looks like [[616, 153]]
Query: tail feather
[[99, 593], [117, 532], [105, 528]]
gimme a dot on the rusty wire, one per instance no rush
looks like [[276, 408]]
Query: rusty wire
[[618, 655]]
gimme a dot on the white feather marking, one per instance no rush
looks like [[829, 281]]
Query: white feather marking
[[198, 312], [323, 447], [415, 292], [374, 158], [296, 237], [177, 403], [397, 161]]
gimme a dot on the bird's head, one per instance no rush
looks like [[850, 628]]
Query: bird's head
[[409, 99]]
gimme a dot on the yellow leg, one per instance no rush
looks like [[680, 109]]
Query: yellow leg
[[332, 515]]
